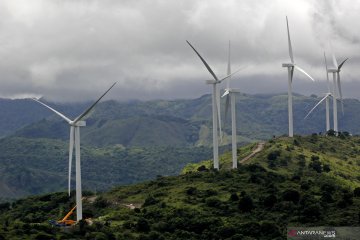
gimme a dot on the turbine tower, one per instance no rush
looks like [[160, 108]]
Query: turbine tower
[[216, 120], [230, 100], [336, 89], [326, 98], [75, 138], [291, 66]]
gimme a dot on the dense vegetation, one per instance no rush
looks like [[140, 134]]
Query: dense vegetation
[[34, 166], [303, 181]]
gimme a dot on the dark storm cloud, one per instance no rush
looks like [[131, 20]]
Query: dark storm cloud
[[73, 50]]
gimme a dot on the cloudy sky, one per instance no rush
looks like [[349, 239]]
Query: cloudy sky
[[72, 50]]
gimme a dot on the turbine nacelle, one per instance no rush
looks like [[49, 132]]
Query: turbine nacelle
[[332, 70], [212, 82], [78, 124], [288, 64]]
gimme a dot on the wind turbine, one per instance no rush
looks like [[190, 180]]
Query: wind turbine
[[291, 66], [336, 89], [75, 138], [230, 100], [326, 98], [216, 120]]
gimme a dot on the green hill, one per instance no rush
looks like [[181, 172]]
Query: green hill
[[35, 166], [304, 181]]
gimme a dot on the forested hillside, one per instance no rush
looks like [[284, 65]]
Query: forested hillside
[[304, 181]]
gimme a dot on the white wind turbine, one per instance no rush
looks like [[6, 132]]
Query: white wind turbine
[[75, 138], [291, 66], [215, 107], [336, 89], [326, 98], [230, 99]]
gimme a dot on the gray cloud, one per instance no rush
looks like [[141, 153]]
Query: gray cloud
[[73, 50]]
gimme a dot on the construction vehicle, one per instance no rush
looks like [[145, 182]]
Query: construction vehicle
[[65, 222]]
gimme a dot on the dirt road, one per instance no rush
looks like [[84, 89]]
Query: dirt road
[[259, 148]]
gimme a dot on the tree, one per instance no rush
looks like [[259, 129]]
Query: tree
[[326, 168], [202, 168], [315, 164], [291, 195], [357, 192], [234, 197], [270, 201], [142, 225], [246, 204], [273, 155], [331, 133], [150, 200]]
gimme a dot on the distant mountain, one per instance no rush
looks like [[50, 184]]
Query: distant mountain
[[18, 113], [301, 181], [188, 122]]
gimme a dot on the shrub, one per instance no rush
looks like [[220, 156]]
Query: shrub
[[327, 197], [234, 197], [311, 212], [273, 155], [326, 168], [270, 229], [331, 133], [246, 204], [270, 201], [202, 168], [142, 225], [302, 162], [357, 192], [328, 187], [4, 206], [150, 200], [100, 202], [191, 191], [291, 195], [314, 158], [316, 165], [305, 186], [213, 202]]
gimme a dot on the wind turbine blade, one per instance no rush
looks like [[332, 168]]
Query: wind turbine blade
[[340, 92], [341, 64], [58, 113], [316, 105], [232, 74], [327, 74], [225, 93], [93, 105], [204, 62], [71, 148], [334, 60], [291, 74], [289, 42], [227, 104], [218, 112], [229, 68], [301, 70]]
